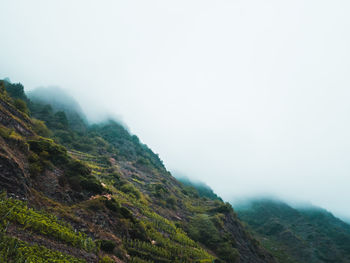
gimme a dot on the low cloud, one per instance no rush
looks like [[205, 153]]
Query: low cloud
[[249, 97]]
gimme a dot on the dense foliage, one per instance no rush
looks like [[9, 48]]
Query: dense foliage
[[201, 189], [298, 235]]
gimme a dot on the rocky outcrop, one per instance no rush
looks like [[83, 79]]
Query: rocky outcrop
[[12, 177], [11, 118]]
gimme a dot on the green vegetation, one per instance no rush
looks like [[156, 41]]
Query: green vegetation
[[46, 152], [292, 235], [40, 128], [167, 237], [21, 105], [106, 183], [107, 245], [106, 259], [130, 189], [15, 90], [203, 229], [16, 211], [17, 251], [197, 189], [168, 242], [14, 138]]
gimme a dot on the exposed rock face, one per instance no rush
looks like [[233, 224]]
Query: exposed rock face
[[12, 177], [11, 118], [13, 174]]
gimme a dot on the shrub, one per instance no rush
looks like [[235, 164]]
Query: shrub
[[85, 147], [95, 204], [5, 132], [14, 137], [61, 121], [36, 167], [15, 90], [130, 189], [202, 229], [112, 205], [227, 252], [126, 213], [106, 259], [74, 183], [40, 128], [143, 161], [75, 168], [19, 141], [56, 153], [171, 201], [21, 105], [92, 184], [107, 245], [223, 208], [159, 190]]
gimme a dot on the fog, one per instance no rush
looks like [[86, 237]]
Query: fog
[[250, 97]]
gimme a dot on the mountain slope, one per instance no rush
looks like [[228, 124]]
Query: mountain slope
[[202, 189], [97, 194], [310, 235]]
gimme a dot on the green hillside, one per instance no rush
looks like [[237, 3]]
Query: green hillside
[[303, 235], [202, 189], [76, 192]]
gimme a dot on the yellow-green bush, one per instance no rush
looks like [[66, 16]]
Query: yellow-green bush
[[106, 259], [40, 128]]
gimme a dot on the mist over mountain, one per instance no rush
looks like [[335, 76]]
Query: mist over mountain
[[60, 101], [92, 166], [100, 195], [203, 189], [101, 102], [57, 98], [257, 92]]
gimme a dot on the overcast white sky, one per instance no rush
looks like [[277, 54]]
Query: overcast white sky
[[251, 97]]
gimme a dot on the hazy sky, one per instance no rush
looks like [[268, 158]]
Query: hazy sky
[[251, 97]]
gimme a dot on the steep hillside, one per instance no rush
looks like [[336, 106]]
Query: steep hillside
[[308, 235], [202, 189], [97, 194]]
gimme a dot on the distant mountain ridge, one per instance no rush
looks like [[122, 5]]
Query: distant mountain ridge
[[303, 235]]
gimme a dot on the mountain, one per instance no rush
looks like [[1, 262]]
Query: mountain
[[59, 101], [303, 235], [96, 193], [200, 187]]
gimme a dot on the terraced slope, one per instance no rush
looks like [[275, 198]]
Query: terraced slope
[[97, 194]]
